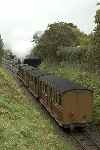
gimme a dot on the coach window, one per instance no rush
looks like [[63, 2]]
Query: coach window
[[42, 88], [40, 85], [45, 87], [59, 99], [49, 92], [32, 78], [51, 95], [55, 96], [35, 81]]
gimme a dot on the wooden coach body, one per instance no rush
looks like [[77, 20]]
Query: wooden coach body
[[68, 103], [27, 75], [34, 81], [21, 72]]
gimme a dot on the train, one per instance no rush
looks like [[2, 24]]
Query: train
[[70, 104], [32, 61]]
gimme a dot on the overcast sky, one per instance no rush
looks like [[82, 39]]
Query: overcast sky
[[20, 19]]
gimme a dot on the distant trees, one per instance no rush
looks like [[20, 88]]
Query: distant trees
[[55, 36], [63, 41], [1, 43], [96, 40], [58, 37], [1, 48]]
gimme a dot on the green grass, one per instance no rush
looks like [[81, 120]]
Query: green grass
[[90, 80], [23, 125]]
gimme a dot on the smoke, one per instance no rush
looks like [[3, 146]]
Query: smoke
[[20, 40], [22, 48]]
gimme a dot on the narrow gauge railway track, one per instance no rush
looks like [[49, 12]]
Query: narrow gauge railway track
[[88, 139]]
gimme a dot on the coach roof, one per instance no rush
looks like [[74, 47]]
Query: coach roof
[[62, 85], [38, 73]]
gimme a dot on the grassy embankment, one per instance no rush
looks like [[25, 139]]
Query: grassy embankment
[[87, 79], [23, 125]]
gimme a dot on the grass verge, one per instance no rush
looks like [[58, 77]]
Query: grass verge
[[23, 125]]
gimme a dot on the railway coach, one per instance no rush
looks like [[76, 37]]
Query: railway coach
[[30, 77], [69, 103]]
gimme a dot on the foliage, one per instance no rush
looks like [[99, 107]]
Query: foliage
[[56, 35], [77, 55], [84, 39], [96, 40], [23, 124], [65, 42], [1, 55], [1, 49], [1, 42]]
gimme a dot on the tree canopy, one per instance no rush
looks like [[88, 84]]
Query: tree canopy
[[1, 48], [56, 35], [96, 40], [1, 43]]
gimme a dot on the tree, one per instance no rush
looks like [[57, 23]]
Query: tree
[[84, 39], [1, 43], [1, 49], [96, 40], [56, 35]]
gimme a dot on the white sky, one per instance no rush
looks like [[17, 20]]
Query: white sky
[[20, 19]]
